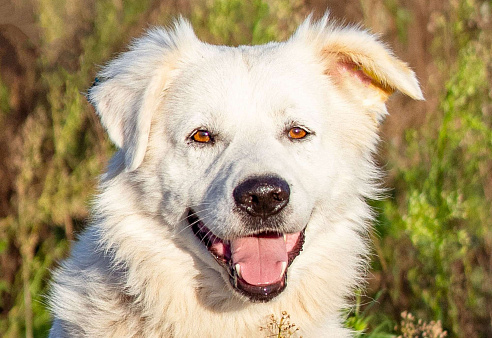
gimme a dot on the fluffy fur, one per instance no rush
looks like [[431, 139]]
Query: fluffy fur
[[138, 270]]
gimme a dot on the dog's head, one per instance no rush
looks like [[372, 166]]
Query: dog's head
[[252, 151]]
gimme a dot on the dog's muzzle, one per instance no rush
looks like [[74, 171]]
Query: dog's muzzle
[[256, 263]]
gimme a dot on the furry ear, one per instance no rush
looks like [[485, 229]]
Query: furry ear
[[131, 88], [361, 56], [126, 112], [355, 59]]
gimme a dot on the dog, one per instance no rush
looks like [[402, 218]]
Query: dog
[[239, 187]]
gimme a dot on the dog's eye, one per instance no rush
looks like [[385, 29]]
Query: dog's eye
[[202, 136], [297, 133]]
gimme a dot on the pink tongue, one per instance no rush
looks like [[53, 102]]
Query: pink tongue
[[260, 258]]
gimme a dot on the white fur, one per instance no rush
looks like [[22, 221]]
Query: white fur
[[138, 270]]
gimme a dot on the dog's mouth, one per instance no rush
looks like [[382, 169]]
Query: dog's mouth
[[257, 264]]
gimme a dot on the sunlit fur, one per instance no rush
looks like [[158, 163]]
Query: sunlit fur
[[138, 270]]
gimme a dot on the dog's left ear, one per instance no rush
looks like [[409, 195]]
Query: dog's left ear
[[125, 106], [130, 89]]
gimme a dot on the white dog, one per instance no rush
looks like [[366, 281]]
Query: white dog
[[239, 187]]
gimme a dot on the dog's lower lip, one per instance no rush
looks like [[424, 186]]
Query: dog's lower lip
[[221, 251], [258, 293]]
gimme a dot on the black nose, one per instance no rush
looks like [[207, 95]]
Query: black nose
[[262, 196]]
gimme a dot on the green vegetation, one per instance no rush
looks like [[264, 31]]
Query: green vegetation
[[440, 214], [433, 238]]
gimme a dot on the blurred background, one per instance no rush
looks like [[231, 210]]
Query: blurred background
[[432, 266]]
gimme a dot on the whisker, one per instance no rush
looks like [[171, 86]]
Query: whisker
[[193, 214], [191, 224]]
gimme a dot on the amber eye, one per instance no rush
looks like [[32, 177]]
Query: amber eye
[[202, 136], [297, 133]]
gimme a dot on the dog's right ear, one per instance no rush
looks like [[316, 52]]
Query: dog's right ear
[[357, 62], [130, 89]]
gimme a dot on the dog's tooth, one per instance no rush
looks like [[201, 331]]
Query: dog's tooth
[[284, 267], [285, 238], [238, 270]]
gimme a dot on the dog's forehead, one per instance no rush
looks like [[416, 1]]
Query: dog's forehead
[[274, 63], [248, 80]]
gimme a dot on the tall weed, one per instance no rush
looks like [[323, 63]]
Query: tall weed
[[440, 214]]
